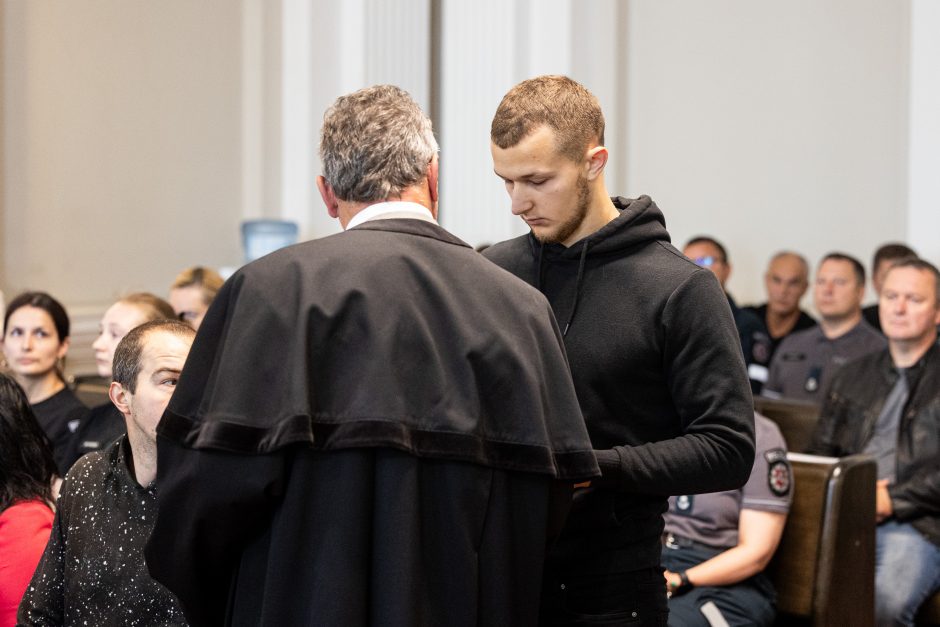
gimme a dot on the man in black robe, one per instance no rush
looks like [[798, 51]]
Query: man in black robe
[[374, 428]]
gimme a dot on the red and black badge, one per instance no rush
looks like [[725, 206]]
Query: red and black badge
[[778, 472]]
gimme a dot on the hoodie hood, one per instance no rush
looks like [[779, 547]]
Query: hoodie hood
[[640, 222]]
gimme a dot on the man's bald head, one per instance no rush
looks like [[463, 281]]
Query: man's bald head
[[786, 280]]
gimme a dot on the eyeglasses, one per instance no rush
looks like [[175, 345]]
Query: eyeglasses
[[707, 262]]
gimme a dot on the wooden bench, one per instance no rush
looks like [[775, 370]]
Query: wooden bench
[[824, 569], [797, 420]]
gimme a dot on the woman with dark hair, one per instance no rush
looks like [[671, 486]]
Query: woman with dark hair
[[27, 470], [35, 341]]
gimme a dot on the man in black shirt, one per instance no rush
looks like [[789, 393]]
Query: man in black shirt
[[709, 253], [786, 281], [654, 353], [92, 571]]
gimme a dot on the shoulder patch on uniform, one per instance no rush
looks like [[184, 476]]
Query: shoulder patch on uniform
[[760, 351], [779, 478]]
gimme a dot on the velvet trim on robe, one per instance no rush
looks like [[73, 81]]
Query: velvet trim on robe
[[393, 334]]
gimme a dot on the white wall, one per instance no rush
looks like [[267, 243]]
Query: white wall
[[923, 224], [771, 125], [136, 135], [121, 153]]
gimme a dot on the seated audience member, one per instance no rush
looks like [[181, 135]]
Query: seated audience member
[[806, 361], [884, 257], [92, 571], [27, 470], [192, 292], [716, 546], [887, 404], [786, 281], [709, 253], [35, 341], [103, 424]]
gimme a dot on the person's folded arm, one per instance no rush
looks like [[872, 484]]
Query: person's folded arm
[[759, 534]]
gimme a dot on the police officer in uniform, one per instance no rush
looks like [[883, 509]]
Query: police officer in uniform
[[716, 545]]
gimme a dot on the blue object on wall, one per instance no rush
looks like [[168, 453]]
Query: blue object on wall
[[260, 237]]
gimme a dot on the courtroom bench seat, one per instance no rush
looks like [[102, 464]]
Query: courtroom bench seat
[[796, 419], [824, 568]]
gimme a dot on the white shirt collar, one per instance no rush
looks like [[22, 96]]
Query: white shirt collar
[[391, 209]]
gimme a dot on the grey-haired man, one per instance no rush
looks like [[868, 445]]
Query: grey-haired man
[[374, 428]]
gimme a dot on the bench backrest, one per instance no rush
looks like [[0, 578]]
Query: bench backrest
[[796, 420], [824, 568]]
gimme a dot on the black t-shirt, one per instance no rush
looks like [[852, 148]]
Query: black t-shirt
[[100, 426], [59, 416]]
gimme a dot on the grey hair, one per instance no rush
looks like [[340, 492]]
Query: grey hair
[[375, 143]]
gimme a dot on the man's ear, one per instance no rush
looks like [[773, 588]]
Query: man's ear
[[329, 197], [434, 171], [596, 161], [120, 397]]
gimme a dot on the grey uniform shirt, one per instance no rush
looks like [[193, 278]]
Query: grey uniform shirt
[[805, 362], [712, 518]]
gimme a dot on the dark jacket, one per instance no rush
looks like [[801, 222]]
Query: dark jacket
[[371, 429], [660, 378], [92, 571], [848, 418]]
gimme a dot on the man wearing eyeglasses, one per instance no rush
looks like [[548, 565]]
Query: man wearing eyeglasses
[[709, 253]]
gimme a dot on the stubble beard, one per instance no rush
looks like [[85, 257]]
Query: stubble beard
[[567, 228]]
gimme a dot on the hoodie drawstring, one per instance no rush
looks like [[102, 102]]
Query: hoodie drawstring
[[577, 288]]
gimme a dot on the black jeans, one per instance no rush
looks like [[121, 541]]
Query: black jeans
[[636, 598], [747, 603]]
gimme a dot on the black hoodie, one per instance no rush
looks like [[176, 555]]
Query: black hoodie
[[657, 366]]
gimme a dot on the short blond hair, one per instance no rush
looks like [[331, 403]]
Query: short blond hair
[[558, 102]]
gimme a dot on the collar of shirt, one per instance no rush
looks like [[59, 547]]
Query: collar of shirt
[[913, 372], [846, 337], [391, 209]]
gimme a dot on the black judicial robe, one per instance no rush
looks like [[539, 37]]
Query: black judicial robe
[[374, 428]]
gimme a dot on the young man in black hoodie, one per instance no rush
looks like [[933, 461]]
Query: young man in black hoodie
[[652, 347]]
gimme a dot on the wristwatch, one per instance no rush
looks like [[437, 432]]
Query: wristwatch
[[683, 586]]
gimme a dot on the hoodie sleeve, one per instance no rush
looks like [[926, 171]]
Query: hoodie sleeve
[[709, 388]]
